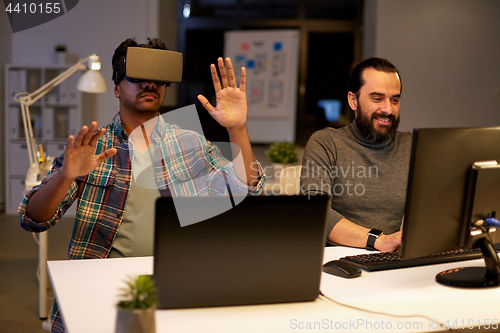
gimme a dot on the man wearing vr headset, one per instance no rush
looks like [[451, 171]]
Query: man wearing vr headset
[[115, 213]]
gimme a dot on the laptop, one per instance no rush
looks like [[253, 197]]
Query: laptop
[[266, 249]]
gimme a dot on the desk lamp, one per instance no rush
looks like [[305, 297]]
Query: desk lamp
[[92, 82]]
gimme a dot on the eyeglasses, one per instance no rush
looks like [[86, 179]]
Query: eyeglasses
[[158, 83]]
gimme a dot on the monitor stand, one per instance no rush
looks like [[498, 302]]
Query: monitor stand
[[475, 277]]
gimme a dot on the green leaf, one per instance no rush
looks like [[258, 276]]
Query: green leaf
[[140, 293], [283, 152]]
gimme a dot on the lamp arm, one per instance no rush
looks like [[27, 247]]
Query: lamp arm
[[27, 99], [28, 133], [43, 90]]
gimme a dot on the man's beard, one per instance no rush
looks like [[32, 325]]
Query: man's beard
[[365, 125], [144, 108]]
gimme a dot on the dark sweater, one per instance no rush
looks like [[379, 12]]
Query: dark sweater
[[366, 182]]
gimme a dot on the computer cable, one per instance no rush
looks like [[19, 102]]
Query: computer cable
[[441, 325]]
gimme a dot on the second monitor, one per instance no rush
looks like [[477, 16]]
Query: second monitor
[[439, 213]]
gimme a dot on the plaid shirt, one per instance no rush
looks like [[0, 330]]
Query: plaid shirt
[[185, 164]]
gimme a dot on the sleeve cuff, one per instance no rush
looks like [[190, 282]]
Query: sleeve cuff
[[27, 223], [238, 186]]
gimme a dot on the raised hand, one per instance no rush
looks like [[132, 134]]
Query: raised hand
[[80, 158], [232, 108]]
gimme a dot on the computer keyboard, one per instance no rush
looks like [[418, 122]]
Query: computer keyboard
[[379, 261]]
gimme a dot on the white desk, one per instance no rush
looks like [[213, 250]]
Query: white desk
[[87, 290]]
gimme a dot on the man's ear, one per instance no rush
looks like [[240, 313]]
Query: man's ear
[[117, 90], [352, 100]]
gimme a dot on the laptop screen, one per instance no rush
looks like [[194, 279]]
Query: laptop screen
[[267, 249]]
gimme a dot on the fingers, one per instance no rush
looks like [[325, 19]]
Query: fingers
[[96, 136], [206, 104], [223, 74], [79, 137], [88, 136], [230, 73], [70, 142], [85, 136], [215, 78], [227, 79], [243, 81], [107, 154]]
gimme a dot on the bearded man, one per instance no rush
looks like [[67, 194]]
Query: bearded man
[[363, 167]]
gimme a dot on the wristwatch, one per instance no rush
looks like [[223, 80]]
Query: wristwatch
[[372, 237]]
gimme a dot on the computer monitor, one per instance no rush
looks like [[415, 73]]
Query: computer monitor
[[444, 198]]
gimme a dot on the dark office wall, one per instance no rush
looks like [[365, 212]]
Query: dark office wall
[[167, 21], [5, 57], [447, 52]]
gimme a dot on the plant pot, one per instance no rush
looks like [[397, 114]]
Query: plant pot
[[277, 168], [61, 58], [136, 321]]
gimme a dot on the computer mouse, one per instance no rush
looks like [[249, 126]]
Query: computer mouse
[[342, 268]]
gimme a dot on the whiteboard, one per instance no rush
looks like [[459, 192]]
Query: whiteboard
[[271, 58]]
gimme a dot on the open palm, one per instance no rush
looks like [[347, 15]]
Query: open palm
[[231, 108], [80, 158]]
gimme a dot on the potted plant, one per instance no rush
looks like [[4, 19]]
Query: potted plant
[[282, 154], [60, 50], [136, 309]]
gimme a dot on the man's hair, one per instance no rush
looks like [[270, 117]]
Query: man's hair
[[118, 60], [356, 78]]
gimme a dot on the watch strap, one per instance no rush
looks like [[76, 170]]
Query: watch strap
[[373, 234]]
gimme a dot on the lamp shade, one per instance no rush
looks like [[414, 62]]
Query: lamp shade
[[92, 82]]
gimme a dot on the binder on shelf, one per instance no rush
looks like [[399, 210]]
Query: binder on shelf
[[61, 122], [17, 83], [53, 96], [15, 123], [67, 92], [34, 80], [48, 128], [13, 86], [74, 122]]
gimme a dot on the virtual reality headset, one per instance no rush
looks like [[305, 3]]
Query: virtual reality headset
[[143, 63]]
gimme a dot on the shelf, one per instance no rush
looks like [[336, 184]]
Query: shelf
[[55, 117]]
